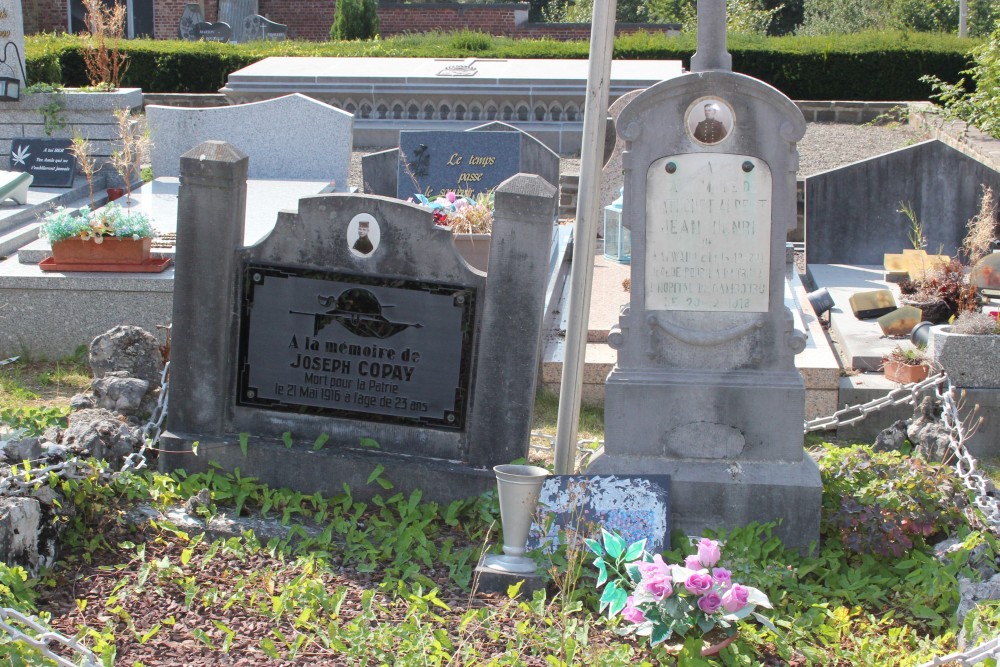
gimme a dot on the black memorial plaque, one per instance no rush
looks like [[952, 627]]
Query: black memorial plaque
[[435, 162], [356, 347], [48, 160]]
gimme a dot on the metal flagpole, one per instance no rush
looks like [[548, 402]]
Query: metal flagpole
[[602, 38]]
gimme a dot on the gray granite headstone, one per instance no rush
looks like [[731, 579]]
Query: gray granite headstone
[[355, 319], [380, 171], [12, 41], [291, 137], [257, 27], [612, 176], [705, 387], [235, 12], [433, 163], [190, 17]]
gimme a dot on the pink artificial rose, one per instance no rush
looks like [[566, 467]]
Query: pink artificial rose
[[710, 602], [654, 568], [631, 613], [699, 583], [692, 562], [735, 598], [723, 577], [451, 197], [708, 552], [658, 586]]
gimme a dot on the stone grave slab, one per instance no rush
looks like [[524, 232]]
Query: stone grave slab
[[316, 146], [852, 213], [313, 332]]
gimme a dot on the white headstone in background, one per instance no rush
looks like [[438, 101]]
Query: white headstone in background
[[12, 41]]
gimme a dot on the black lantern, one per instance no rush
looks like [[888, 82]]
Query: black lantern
[[10, 89]]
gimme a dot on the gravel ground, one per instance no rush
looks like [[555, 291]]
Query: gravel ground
[[825, 146]]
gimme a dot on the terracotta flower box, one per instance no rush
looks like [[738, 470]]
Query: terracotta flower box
[[110, 251], [904, 373]]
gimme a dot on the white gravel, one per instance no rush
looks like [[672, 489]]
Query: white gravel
[[825, 146]]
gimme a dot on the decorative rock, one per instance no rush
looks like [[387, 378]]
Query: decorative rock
[[82, 402], [26, 449], [100, 434], [970, 594], [55, 452], [891, 439], [116, 391], [199, 500], [929, 436], [130, 349], [19, 522], [979, 560]]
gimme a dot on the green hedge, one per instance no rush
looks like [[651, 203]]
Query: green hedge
[[867, 66]]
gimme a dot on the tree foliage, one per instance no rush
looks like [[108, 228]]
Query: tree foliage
[[981, 106], [355, 19]]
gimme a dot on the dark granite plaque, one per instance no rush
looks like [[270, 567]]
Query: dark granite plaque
[[467, 163], [357, 347], [212, 32], [48, 160]]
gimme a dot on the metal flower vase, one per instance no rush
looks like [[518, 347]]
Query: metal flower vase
[[519, 487]]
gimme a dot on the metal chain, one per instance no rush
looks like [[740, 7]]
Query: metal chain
[[907, 393], [989, 649], [43, 639], [154, 427]]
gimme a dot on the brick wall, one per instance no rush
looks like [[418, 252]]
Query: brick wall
[[311, 19]]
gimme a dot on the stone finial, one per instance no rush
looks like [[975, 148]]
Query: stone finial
[[711, 53]]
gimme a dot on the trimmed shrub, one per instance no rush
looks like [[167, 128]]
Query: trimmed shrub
[[355, 19]]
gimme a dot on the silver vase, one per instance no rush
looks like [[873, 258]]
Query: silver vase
[[519, 487]]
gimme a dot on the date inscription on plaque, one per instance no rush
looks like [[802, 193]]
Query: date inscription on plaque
[[708, 233], [356, 347]]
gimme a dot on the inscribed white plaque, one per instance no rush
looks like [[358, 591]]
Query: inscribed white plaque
[[708, 233]]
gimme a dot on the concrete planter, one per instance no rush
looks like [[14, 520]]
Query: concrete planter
[[969, 360]]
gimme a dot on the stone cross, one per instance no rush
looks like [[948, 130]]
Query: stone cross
[[711, 53], [12, 41]]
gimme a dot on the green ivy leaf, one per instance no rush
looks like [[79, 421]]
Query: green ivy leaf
[[194, 447], [286, 437], [635, 550], [244, 441], [613, 544], [376, 473], [369, 442], [320, 442]]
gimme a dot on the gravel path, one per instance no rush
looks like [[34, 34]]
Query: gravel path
[[825, 146]]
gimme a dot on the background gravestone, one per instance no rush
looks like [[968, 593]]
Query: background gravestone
[[234, 13], [190, 17], [317, 146], [381, 170], [393, 341], [12, 42], [432, 163], [705, 388]]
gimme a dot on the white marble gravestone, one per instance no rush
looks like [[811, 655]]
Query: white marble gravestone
[[705, 387], [12, 41]]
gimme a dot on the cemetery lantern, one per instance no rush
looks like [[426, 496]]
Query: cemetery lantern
[[617, 239], [10, 89]]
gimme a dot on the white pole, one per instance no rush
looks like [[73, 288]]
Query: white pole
[[963, 18], [602, 39]]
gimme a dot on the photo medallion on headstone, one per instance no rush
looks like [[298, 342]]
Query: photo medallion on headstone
[[396, 351]]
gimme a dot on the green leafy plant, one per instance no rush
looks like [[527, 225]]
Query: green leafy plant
[[884, 503], [979, 106], [355, 19], [908, 356], [110, 221]]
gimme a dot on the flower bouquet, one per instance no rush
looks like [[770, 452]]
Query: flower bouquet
[[462, 215], [660, 600]]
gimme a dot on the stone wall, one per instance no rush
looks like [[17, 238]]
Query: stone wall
[[311, 19]]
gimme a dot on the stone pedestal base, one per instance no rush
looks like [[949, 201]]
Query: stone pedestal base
[[731, 494], [492, 577], [327, 470]]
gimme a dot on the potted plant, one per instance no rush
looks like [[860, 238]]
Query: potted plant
[[905, 365], [470, 220], [89, 240], [672, 604]]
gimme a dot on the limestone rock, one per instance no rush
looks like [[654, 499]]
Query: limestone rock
[[118, 392], [82, 402], [929, 436], [99, 433], [130, 349], [892, 438], [971, 593], [19, 523], [25, 449]]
